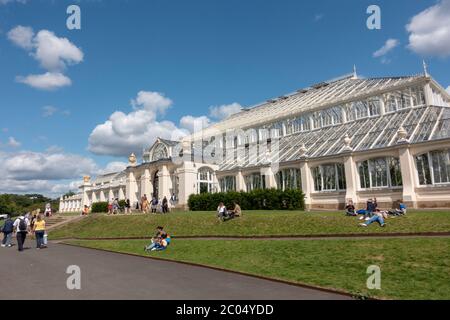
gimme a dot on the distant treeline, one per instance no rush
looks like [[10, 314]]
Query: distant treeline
[[15, 204]]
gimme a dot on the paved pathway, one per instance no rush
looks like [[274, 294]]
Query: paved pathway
[[41, 274]]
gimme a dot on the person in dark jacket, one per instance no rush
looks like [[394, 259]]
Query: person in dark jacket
[[165, 205], [7, 230]]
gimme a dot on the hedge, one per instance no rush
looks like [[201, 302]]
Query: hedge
[[269, 199], [100, 207]]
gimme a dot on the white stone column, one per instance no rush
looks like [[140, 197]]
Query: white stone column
[[188, 182], [94, 197], [351, 178], [407, 168], [307, 183], [61, 204], [110, 194], [102, 196], [164, 182], [146, 185], [132, 188], [271, 182], [121, 194], [240, 182]]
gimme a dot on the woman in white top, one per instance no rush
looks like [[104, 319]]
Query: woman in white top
[[221, 211]]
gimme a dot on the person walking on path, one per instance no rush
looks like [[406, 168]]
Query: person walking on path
[[21, 227], [39, 232], [7, 230]]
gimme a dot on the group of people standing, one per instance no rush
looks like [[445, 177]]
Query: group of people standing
[[21, 227], [155, 205]]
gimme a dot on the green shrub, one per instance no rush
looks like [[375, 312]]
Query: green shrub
[[100, 207], [269, 199], [122, 203]]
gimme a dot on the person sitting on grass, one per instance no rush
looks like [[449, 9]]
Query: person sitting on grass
[[222, 212], [371, 207], [160, 241], [378, 216], [157, 237], [237, 211], [401, 211], [350, 209]]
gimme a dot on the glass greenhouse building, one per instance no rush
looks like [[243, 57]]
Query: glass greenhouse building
[[347, 139]]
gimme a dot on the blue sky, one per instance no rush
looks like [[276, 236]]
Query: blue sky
[[185, 58]]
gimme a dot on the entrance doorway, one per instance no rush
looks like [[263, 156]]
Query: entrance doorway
[[156, 185]]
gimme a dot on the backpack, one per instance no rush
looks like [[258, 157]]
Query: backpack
[[23, 226]]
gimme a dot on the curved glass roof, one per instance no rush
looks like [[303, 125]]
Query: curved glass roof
[[421, 123]]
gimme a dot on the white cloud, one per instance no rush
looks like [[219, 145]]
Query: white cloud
[[28, 165], [124, 133], [194, 124], [22, 37], [46, 81], [112, 167], [448, 89], [51, 173], [386, 48], [13, 143], [55, 53], [49, 111], [154, 102], [224, 111], [430, 31]]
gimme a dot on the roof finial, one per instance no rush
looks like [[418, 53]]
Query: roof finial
[[355, 74], [425, 69]]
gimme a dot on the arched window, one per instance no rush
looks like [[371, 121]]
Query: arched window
[[160, 152], [288, 179], [382, 172], [205, 181], [433, 168], [329, 177], [227, 184], [255, 181]]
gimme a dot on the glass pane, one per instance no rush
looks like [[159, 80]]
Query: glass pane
[[364, 175], [329, 177], [423, 170], [378, 173], [395, 172]]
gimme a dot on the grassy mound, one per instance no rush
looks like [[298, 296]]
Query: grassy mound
[[256, 223]]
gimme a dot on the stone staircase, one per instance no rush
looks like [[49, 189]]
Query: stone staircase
[[57, 221]]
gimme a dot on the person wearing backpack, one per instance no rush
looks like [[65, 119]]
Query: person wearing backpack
[[7, 230], [21, 227]]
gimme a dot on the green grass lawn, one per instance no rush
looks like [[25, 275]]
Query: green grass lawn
[[411, 268], [255, 223]]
